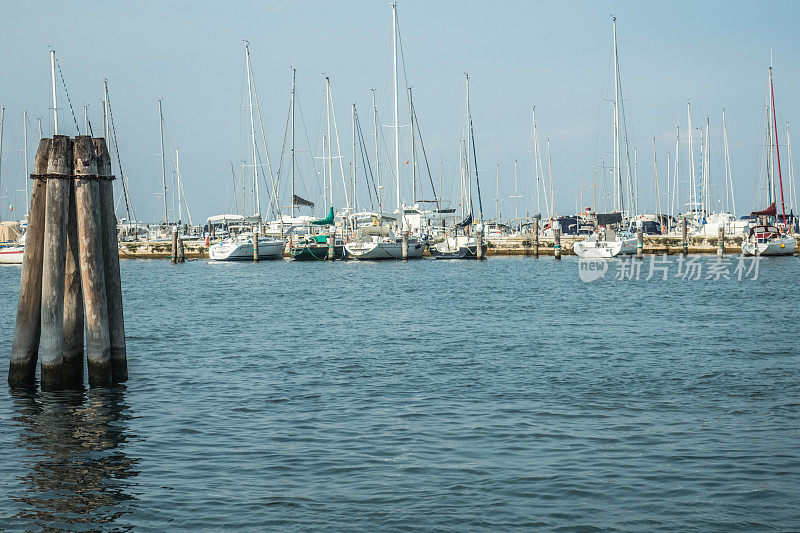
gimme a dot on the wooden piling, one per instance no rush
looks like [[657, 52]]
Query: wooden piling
[[404, 249], [685, 236], [721, 242], [25, 347], [116, 325], [331, 241], [255, 247], [87, 197], [174, 250], [51, 340], [535, 237], [479, 249], [557, 241], [639, 243], [181, 251], [73, 302]]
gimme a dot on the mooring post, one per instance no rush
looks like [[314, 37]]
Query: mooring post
[[479, 239], [557, 241], [25, 347], [331, 241], [181, 251], [73, 302], [404, 245], [116, 324], [255, 246], [174, 250], [685, 236], [639, 242], [51, 340], [535, 237], [95, 300], [721, 241]]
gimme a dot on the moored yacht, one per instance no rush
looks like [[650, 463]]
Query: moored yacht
[[240, 248]]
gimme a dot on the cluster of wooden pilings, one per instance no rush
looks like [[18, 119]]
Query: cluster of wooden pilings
[[70, 272]]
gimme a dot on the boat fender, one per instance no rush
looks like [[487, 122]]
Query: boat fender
[[208, 241]]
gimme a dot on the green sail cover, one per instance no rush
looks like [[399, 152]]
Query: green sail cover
[[328, 221]]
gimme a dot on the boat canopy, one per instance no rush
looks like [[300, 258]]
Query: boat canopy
[[604, 219], [771, 211], [466, 222], [327, 221], [222, 219], [380, 231]]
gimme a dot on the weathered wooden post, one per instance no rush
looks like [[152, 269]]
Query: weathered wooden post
[[535, 237], [331, 242], [51, 339], [639, 242], [73, 302], [25, 347], [181, 251], [174, 249], [95, 301], [685, 236], [479, 240], [255, 247], [116, 323], [557, 240], [404, 245], [721, 241]]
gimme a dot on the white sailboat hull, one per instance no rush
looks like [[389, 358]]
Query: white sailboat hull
[[242, 250], [604, 249], [11, 255], [383, 250], [781, 246]]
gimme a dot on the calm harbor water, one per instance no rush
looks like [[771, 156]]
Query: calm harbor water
[[429, 395]]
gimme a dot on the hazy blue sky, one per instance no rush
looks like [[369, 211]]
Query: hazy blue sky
[[554, 55]]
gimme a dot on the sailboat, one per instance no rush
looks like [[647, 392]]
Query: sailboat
[[606, 241], [768, 237], [240, 247], [382, 241], [455, 245]]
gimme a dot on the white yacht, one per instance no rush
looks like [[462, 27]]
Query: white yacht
[[767, 239], [240, 248], [606, 243], [457, 247], [380, 242]]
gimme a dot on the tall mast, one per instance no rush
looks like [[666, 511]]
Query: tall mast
[[353, 166], [2, 124], [693, 185], [497, 195], [396, 112], [163, 161], [792, 186], [777, 146], [252, 127], [658, 191], [617, 150], [292, 106], [377, 155], [25, 154], [413, 153], [86, 118], [676, 174], [330, 159], [552, 188], [516, 194], [729, 198], [105, 109], [53, 83], [178, 184]]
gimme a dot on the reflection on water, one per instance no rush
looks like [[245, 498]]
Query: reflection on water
[[76, 472]]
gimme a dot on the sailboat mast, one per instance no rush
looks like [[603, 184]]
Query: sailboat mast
[[396, 112], [413, 151], [25, 150], [534, 149], [330, 158], [792, 186], [2, 124], [293, 164], [693, 186], [658, 190], [179, 184], [777, 146], [730, 202], [252, 128], [353, 165], [617, 150], [497, 195], [53, 84], [552, 188], [377, 154], [163, 161]]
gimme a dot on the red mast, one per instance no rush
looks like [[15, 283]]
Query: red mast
[[777, 147]]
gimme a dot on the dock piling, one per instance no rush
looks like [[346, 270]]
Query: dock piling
[[639, 243], [405, 245], [174, 248], [535, 237], [73, 302], [721, 242], [557, 241], [255, 247], [479, 249], [685, 236], [25, 347]]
